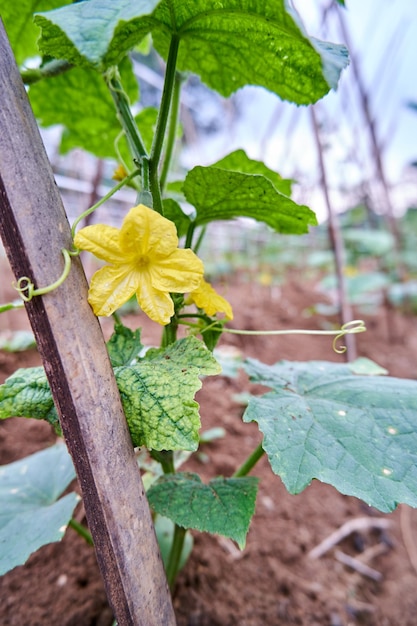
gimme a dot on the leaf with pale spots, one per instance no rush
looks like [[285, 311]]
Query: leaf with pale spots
[[158, 395], [27, 394], [357, 433]]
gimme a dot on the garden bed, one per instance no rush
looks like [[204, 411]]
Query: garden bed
[[274, 581]]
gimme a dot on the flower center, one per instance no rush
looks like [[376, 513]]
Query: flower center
[[142, 262]]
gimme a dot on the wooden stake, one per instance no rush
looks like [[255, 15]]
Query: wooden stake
[[34, 229]]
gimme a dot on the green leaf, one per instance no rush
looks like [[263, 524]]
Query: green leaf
[[27, 394], [31, 515], [229, 44], [158, 395], [233, 43], [173, 212], [225, 506], [96, 33], [124, 346], [80, 100], [238, 161], [356, 433], [220, 194], [17, 341], [366, 367], [21, 30]]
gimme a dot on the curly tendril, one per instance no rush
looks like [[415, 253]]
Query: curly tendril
[[26, 288], [350, 328]]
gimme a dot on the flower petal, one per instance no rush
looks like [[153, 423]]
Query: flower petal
[[146, 233], [207, 298], [102, 241], [156, 304], [180, 272], [111, 287]]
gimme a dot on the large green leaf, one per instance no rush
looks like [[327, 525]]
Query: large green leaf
[[96, 33], [224, 506], [357, 433], [80, 100], [31, 513], [222, 194], [20, 28], [238, 161], [158, 395], [229, 44], [27, 394]]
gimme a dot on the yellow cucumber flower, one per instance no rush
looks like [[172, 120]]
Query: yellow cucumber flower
[[143, 258], [207, 298]]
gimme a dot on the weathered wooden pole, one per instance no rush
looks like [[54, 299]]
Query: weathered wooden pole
[[34, 229]]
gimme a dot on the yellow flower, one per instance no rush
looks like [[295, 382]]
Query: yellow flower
[[119, 173], [207, 298], [143, 258]]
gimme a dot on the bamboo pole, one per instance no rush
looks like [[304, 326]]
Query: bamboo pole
[[34, 229], [336, 241]]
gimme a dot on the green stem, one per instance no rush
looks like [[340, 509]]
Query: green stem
[[200, 239], [117, 319], [172, 130], [175, 555], [17, 304], [165, 458], [161, 124], [53, 68], [134, 139], [189, 235], [250, 462], [169, 334], [82, 531]]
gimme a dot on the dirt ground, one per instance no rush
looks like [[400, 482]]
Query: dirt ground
[[273, 581]]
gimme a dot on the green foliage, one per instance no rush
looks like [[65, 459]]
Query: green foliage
[[239, 161], [97, 33], [173, 212], [18, 341], [272, 49], [158, 392], [222, 194], [27, 394], [225, 506], [124, 346], [21, 30], [81, 102], [32, 512], [354, 432]]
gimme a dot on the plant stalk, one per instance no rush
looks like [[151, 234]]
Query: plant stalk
[[53, 68], [81, 530], [161, 124], [134, 139], [172, 130], [175, 555], [250, 462]]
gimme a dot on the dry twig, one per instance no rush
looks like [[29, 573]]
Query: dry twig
[[349, 527], [357, 565]]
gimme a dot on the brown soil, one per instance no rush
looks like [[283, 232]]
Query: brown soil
[[274, 581]]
